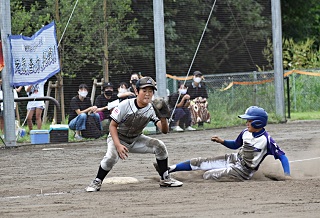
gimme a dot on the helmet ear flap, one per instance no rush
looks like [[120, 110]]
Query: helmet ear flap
[[257, 124]]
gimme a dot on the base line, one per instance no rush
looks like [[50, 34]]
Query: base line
[[293, 161]]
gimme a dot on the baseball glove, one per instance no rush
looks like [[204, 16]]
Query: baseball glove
[[161, 108]]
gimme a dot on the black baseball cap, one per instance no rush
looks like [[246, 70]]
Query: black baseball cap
[[196, 73], [83, 86], [107, 84], [146, 82]]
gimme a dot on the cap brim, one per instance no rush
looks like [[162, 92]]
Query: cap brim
[[147, 85]]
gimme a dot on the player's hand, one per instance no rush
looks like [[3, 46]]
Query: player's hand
[[216, 139], [122, 152]]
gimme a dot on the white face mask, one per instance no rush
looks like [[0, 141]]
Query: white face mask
[[183, 91], [197, 79], [122, 90], [83, 93]]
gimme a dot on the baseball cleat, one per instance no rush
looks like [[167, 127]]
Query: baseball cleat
[[94, 186], [170, 182]]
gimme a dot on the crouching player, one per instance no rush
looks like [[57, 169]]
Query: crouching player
[[254, 144], [128, 121]]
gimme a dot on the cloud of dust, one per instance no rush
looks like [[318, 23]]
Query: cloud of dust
[[306, 167]]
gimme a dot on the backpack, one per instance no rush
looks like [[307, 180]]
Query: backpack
[[92, 128]]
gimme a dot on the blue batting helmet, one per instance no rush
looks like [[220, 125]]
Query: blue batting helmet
[[258, 115]]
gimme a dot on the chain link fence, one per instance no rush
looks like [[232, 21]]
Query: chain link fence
[[234, 92]]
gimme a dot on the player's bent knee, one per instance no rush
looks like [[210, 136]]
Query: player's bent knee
[[160, 150], [108, 163]]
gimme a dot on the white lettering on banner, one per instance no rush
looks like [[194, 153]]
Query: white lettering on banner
[[34, 59]]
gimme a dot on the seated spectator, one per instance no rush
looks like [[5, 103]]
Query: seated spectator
[[198, 96], [102, 102], [81, 107], [123, 92], [181, 115], [133, 81]]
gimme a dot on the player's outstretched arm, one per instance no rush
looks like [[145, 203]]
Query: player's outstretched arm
[[285, 164], [217, 139]]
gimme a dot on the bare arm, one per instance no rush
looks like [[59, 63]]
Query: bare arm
[[28, 89], [125, 94], [89, 109], [163, 125], [185, 101], [19, 89]]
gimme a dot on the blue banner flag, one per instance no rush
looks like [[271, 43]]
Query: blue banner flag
[[34, 59]]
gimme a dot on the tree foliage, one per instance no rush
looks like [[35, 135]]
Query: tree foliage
[[301, 20], [300, 55], [233, 41]]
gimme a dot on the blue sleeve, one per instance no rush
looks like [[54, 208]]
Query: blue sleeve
[[231, 144], [285, 164]]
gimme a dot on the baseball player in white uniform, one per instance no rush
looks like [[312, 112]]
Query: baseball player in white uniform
[[254, 144], [128, 121]]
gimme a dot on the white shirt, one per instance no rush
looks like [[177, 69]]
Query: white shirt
[[37, 90]]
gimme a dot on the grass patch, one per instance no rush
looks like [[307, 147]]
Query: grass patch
[[219, 119], [313, 115]]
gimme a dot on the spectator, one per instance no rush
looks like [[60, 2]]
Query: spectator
[[181, 102], [198, 96], [35, 91], [81, 107], [102, 102], [124, 93], [133, 81]]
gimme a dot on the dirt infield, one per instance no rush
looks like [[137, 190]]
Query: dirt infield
[[49, 180]]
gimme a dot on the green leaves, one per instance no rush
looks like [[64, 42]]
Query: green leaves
[[296, 55]]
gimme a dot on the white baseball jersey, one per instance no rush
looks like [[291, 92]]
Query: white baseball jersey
[[132, 119]]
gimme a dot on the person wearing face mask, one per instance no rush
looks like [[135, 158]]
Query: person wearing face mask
[[80, 108], [182, 115], [198, 95], [102, 102], [124, 93], [133, 81]]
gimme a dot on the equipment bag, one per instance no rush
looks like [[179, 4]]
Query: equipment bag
[[92, 128]]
